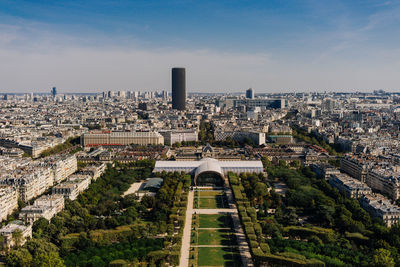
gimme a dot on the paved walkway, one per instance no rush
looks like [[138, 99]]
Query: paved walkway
[[213, 211], [242, 242], [240, 236], [226, 228], [213, 246], [185, 249], [133, 188]]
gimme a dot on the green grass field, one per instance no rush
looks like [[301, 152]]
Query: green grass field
[[219, 257], [210, 193], [213, 202], [215, 221], [216, 237]]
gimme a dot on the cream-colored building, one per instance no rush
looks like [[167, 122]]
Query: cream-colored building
[[354, 167], [379, 206], [46, 206], [110, 138], [385, 181], [94, 171], [8, 200], [350, 187], [8, 230], [62, 166], [73, 186]]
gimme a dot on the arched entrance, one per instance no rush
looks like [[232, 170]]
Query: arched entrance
[[209, 178], [209, 173]]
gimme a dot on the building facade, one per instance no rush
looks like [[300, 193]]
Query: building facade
[[8, 201], [379, 206], [350, 187], [172, 137], [179, 88], [108, 138]]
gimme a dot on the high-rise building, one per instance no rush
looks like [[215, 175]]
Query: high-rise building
[[250, 93], [122, 94], [54, 91], [164, 95], [178, 88]]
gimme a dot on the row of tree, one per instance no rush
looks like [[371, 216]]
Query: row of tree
[[102, 226], [322, 223]]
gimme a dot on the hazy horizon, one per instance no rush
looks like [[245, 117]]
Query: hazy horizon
[[225, 46]]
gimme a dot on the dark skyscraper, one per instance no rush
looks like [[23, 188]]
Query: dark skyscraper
[[178, 88], [53, 91], [250, 93]]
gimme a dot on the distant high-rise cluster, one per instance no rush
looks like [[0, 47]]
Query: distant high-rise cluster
[[178, 88], [54, 91], [250, 93]]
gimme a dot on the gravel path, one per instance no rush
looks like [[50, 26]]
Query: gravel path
[[185, 250]]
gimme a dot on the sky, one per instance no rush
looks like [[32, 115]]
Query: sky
[[225, 45]]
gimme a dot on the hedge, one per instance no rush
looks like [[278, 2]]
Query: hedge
[[252, 237], [253, 244], [275, 260], [265, 247]]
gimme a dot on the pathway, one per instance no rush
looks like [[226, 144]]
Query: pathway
[[213, 246], [185, 250], [134, 188], [213, 211], [243, 246], [240, 236]]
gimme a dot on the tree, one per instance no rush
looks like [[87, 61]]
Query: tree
[[382, 258], [148, 201], [96, 261], [51, 259], [17, 237], [2, 243], [289, 216], [19, 257], [39, 227]]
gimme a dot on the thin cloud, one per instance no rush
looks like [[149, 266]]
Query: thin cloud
[[34, 60]]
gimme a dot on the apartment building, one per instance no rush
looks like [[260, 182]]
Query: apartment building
[[175, 136], [350, 187], [46, 206], [354, 167], [114, 138], [379, 206], [385, 181], [30, 183], [324, 170], [8, 230], [62, 166], [257, 137], [8, 200], [71, 188], [95, 171]]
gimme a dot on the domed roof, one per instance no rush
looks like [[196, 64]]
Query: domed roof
[[208, 148], [209, 165]]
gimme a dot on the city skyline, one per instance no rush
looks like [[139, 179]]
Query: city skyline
[[271, 47]]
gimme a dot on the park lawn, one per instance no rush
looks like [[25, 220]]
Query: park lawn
[[215, 221], [210, 193], [222, 237], [219, 257], [208, 203], [213, 202]]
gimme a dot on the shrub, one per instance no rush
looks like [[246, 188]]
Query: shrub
[[252, 237], [265, 247], [253, 244]]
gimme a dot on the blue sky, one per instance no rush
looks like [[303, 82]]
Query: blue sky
[[226, 46]]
